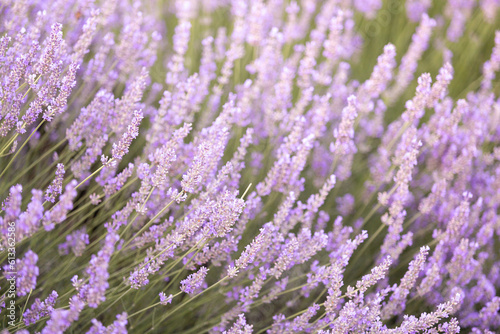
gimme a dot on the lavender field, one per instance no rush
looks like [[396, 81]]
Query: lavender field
[[237, 166]]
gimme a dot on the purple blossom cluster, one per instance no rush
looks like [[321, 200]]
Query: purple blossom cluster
[[25, 273], [55, 188], [40, 309], [75, 242], [236, 166]]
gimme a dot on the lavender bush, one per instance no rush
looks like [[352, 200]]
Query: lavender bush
[[233, 166]]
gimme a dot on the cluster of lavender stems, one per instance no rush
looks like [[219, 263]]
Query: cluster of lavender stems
[[237, 166]]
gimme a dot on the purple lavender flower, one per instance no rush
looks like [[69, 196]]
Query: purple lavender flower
[[240, 326], [491, 66], [112, 185], [415, 8], [55, 188], [120, 149], [93, 293], [49, 52], [345, 132], [225, 212], [420, 41], [194, 282], [40, 309], [60, 102], [209, 150], [181, 39], [61, 319], [26, 273], [85, 39], [119, 326], [94, 199], [12, 207], [368, 7], [58, 213], [397, 300], [29, 221], [164, 300], [76, 242]]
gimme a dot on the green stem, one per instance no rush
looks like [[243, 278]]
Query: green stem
[[19, 150]]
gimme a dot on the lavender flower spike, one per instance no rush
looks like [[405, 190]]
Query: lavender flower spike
[[194, 282], [40, 309], [55, 188], [120, 149]]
